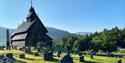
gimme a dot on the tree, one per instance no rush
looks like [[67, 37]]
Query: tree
[[108, 44], [122, 38], [105, 41], [64, 40], [83, 43], [96, 43], [75, 45]]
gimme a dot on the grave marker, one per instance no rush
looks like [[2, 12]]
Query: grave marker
[[81, 58], [28, 50], [9, 55], [22, 56], [36, 54], [2, 47], [59, 53], [48, 55], [14, 47], [66, 59], [1, 56]]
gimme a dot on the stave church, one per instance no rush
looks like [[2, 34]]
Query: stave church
[[30, 32]]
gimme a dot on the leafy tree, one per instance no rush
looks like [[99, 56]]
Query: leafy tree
[[75, 45], [83, 43], [64, 40], [104, 41], [96, 43], [122, 38], [108, 44], [107, 40]]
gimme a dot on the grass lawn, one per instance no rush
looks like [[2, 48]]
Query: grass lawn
[[39, 59]]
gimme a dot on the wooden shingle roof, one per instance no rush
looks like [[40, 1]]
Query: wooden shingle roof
[[31, 18]]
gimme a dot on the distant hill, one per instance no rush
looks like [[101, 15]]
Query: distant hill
[[57, 34], [83, 33]]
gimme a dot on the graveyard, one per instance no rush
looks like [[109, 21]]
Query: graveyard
[[33, 42], [29, 58]]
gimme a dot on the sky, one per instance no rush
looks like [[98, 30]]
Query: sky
[[69, 15]]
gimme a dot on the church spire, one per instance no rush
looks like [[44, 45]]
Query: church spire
[[31, 8], [32, 15], [31, 3]]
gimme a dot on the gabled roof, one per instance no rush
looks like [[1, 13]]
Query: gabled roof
[[31, 12], [20, 37], [31, 18], [24, 27]]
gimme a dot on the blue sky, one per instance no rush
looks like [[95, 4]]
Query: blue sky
[[69, 15]]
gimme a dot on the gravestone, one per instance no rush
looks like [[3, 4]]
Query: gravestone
[[59, 53], [66, 59], [36, 54], [2, 47], [48, 55], [22, 56], [28, 50], [119, 61], [81, 58], [68, 48], [14, 47], [80, 53], [1, 56], [9, 55], [91, 54], [21, 49], [38, 49]]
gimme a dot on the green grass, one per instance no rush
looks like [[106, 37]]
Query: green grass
[[39, 59]]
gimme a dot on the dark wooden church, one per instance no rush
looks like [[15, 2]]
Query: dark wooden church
[[30, 32]]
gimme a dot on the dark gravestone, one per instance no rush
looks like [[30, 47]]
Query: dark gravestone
[[2, 47], [66, 59], [9, 55], [1, 56], [22, 56], [36, 54], [81, 58], [21, 49], [119, 61], [59, 53], [38, 49], [28, 50], [68, 48], [91, 54], [48, 55]]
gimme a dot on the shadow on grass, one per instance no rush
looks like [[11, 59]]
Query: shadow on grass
[[90, 62], [54, 60], [29, 59], [18, 61]]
